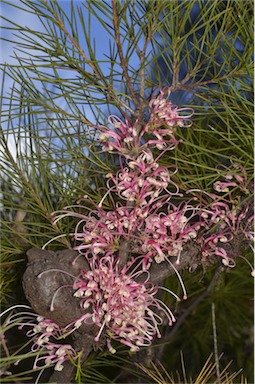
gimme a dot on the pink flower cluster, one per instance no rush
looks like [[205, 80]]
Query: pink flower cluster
[[156, 230], [45, 336], [164, 118], [117, 303], [226, 213], [143, 214]]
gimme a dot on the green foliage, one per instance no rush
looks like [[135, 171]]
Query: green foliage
[[62, 86], [232, 297]]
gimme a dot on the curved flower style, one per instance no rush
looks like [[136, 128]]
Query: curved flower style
[[124, 140], [119, 304]]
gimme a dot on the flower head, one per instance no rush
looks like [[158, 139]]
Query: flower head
[[164, 117], [166, 233], [126, 138], [117, 303], [46, 338]]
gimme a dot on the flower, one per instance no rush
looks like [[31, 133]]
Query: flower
[[212, 246], [57, 355], [221, 186], [119, 304]]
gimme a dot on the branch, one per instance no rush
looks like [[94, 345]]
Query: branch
[[121, 55]]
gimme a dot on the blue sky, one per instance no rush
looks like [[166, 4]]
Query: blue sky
[[27, 19], [31, 21], [99, 37]]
